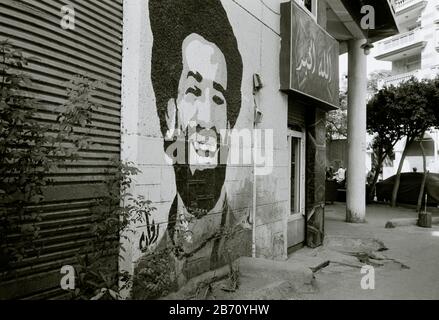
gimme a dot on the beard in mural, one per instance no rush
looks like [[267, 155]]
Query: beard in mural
[[196, 75]]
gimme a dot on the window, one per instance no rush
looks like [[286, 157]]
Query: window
[[310, 6], [414, 63]]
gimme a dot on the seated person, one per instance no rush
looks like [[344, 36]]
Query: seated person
[[330, 173], [340, 175], [370, 177]]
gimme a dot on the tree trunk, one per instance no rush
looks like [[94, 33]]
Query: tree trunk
[[375, 181], [398, 174], [424, 180]]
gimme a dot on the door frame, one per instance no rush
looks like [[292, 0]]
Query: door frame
[[302, 183]]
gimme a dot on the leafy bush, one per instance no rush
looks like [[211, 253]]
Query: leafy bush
[[113, 220], [30, 150]]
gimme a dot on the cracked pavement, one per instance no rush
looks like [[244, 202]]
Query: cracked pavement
[[406, 259]]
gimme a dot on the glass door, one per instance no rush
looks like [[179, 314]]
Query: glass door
[[295, 175], [297, 172], [296, 219]]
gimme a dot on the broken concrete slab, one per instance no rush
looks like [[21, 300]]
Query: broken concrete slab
[[349, 244], [280, 290], [262, 279], [415, 247], [282, 270], [257, 278], [344, 252], [191, 290]]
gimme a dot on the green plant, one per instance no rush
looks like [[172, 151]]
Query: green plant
[[32, 149], [23, 160], [155, 278], [115, 214], [158, 271]]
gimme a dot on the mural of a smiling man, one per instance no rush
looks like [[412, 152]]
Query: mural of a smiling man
[[196, 73]]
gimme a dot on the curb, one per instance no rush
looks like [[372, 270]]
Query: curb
[[392, 224]]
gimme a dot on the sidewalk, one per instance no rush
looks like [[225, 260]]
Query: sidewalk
[[408, 269], [406, 262]]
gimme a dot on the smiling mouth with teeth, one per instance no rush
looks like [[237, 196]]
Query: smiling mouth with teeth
[[205, 146]]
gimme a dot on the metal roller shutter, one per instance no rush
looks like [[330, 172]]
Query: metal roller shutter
[[296, 113], [94, 50]]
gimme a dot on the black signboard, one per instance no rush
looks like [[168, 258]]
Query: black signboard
[[309, 57]]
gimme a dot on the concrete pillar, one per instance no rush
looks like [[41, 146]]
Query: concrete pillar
[[357, 95]]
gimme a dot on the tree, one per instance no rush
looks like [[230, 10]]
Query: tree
[[432, 95], [337, 121], [383, 124], [414, 110], [374, 79], [408, 110]]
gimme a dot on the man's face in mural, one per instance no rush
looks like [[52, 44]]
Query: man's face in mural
[[201, 104], [198, 100]]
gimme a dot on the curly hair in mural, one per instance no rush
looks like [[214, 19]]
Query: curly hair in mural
[[196, 73]]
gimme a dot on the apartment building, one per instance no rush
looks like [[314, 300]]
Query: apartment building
[[413, 52]]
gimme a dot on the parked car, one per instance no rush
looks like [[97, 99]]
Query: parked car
[[409, 188]]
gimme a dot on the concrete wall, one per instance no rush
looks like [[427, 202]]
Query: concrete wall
[[255, 27], [414, 158], [407, 65]]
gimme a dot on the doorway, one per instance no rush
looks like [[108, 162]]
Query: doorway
[[296, 218]]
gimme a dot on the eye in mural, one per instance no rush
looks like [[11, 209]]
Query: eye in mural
[[196, 73]]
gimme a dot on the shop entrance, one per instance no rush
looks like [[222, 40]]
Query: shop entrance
[[296, 219]]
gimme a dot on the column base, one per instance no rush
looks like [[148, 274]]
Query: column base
[[354, 218]]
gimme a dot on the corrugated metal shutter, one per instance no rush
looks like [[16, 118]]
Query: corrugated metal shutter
[[93, 49], [296, 113]]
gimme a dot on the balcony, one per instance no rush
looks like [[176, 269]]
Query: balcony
[[407, 12], [407, 5], [399, 78], [400, 46]]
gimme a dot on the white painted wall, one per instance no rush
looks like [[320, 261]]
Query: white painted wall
[[258, 36], [257, 29]]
